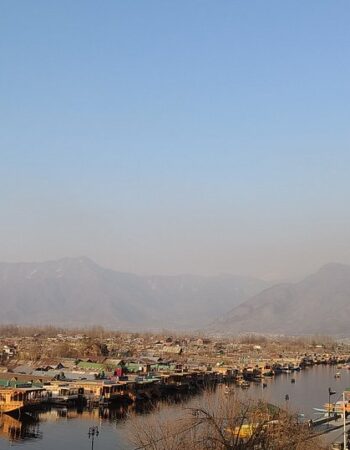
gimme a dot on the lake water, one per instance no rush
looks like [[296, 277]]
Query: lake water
[[59, 429]]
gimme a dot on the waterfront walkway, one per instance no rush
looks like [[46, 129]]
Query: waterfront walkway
[[332, 431]]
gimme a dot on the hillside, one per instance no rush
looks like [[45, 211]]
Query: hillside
[[320, 304], [77, 291]]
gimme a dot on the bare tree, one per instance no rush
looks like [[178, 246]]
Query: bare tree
[[224, 423]]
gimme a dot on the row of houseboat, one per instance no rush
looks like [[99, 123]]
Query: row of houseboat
[[17, 396], [19, 392]]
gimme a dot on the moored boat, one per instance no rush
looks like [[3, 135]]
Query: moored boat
[[23, 397], [64, 394], [338, 407]]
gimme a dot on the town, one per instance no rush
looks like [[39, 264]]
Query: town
[[96, 367]]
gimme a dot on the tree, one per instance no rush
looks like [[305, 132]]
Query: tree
[[225, 423]]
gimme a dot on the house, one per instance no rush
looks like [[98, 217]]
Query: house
[[23, 378], [114, 363], [9, 350], [176, 349], [48, 364], [168, 341], [91, 366], [143, 365]]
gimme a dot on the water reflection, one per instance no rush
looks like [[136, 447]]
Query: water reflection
[[25, 428]]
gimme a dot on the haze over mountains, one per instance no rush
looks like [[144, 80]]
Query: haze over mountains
[[77, 291], [320, 304]]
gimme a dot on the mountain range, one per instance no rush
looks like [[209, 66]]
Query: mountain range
[[77, 291], [319, 304]]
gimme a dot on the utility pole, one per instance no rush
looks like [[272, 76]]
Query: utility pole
[[286, 398], [344, 423], [93, 431], [330, 392]]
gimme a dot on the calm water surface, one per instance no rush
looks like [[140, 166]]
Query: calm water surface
[[59, 429]]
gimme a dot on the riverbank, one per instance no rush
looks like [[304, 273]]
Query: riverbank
[[71, 423]]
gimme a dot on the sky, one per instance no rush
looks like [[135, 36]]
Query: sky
[[166, 137]]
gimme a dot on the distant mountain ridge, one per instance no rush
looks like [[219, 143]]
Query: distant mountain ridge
[[319, 304], [77, 292]]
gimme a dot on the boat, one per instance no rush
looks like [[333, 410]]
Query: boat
[[108, 391], [64, 394], [338, 407], [320, 410], [268, 372], [337, 375], [244, 431], [21, 398]]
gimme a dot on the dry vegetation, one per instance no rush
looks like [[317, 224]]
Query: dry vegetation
[[51, 331], [224, 423]]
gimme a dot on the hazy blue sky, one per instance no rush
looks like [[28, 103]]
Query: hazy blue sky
[[176, 136]]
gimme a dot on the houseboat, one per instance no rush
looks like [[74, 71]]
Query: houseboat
[[21, 398], [103, 391], [64, 394]]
